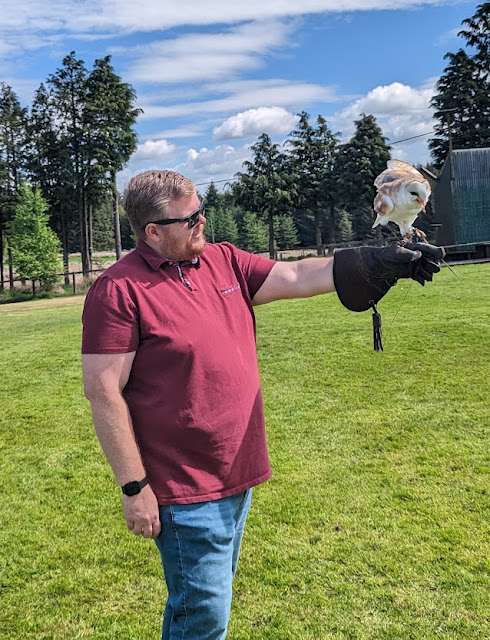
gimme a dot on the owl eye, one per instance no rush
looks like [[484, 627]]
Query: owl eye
[[414, 193]]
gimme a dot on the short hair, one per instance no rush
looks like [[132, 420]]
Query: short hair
[[148, 195]]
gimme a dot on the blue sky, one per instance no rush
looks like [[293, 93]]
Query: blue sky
[[212, 75]]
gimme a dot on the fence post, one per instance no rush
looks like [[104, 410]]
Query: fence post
[[74, 284], [33, 288]]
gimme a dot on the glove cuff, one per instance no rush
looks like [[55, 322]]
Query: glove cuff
[[356, 287]]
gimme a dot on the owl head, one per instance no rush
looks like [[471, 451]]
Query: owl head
[[417, 193]]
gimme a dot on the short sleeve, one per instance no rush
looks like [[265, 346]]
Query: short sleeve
[[110, 319], [255, 268]]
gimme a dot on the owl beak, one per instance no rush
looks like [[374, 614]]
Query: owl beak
[[422, 205]]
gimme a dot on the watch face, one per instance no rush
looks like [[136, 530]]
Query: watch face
[[132, 488]]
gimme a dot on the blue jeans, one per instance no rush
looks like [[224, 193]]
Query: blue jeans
[[199, 545]]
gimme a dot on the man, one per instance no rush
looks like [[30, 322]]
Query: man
[[170, 369]]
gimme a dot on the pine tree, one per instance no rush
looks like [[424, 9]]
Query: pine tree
[[109, 116], [225, 226], [103, 225], [359, 162], [13, 144], [50, 167], [267, 187], [312, 163], [477, 35], [462, 107], [344, 227], [35, 247], [254, 234], [462, 101], [212, 197], [69, 94], [285, 232]]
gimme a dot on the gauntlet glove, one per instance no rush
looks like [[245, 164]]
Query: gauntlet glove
[[362, 275]]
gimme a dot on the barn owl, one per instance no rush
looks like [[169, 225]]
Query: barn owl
[[402, 194]]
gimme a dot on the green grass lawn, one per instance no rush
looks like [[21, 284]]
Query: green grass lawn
[[376, 523]]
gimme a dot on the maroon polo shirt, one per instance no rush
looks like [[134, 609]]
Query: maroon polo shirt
[[193, 392]]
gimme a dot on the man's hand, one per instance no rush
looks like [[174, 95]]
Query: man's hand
[[141, 513]]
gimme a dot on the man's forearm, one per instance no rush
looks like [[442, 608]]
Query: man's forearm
[[301, 279], [113, 426], [315, 276]]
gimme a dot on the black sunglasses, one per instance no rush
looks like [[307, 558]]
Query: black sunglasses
[[192, 220]]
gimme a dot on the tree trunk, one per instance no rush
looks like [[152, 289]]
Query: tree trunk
[[65, 247], [90, 225], [333, 237], [11, 269], [84, 236], [272, 249], [320, 249], [117, 225]]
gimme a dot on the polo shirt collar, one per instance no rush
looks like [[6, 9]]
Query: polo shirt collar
[[155, 260]]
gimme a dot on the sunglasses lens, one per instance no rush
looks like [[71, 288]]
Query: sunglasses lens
[[194, 218]]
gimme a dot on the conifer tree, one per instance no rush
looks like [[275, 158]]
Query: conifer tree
[[254, 234], [286, 233], [267, 187], [13, 144], [462, 101], [224, 225], [213, 197], [312, 162], [68, 88], [50, 167], [359, 162], [35, 246], [110, 115]]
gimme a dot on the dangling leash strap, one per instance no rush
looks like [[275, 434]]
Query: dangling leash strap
[[377, 334]]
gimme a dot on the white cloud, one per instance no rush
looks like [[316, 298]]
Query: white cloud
[[271, 120], [153, 150], [190, 131], [247, 95], [198, 57], [446, 38], [200, 165], [127, 16], [393, 99], [220, 163], [401, 111]]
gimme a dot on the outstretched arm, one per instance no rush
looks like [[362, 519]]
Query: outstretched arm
[[360, 275], [301, 279]]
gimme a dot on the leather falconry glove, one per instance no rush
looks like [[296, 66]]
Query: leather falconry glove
[[363, 275]]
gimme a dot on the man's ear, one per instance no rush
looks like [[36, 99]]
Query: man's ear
[[151, 232]]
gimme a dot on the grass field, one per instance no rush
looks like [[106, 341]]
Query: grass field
[[375, 525]]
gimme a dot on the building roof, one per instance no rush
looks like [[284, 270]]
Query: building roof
[[471, 168]]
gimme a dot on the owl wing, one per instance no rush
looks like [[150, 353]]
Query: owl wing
[[383, 206], [397, 169]]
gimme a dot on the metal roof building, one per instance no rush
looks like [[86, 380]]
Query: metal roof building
[[461, 198]]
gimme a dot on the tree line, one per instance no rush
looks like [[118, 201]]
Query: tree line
[[314, 185], [323, 190], [78, 134], [310, 191]]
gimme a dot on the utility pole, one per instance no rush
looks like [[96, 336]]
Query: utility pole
[[447, 114]]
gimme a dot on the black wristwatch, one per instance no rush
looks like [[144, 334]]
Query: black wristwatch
[[134, 487]]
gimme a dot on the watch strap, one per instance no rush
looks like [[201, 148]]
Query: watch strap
[[134, 487]]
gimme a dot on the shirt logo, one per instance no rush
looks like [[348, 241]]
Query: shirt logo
[[231, 289]]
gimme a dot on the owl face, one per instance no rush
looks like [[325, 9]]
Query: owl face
[[417, 193]]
